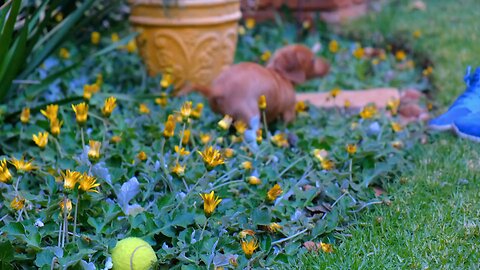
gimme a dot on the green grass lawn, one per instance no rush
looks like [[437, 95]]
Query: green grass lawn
[[433, 221]]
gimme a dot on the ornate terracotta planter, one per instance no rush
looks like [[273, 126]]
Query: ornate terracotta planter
[[192, 40]]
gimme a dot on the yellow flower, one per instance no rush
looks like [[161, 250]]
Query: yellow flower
[[99, 80], [383, 56], [226, 122], [429, 106], [368, 112], [181, 151], [59, 17], [5, 175], [50, 112], [116, 139], [327, 164], [186, 137], [428, 71], [249, 247], [109, 106], [334, 92], [333, 46], [211, 157], [245, 233], [41, 139], [417, 33], [347, 104], [280, 140], [55, 126], [205, 138], [351, 149], [94, 150], [88, 183], [262, 102], [143, 109], [197, 112], [115, 37], [397, 144], [169, 129], [142, 156], [186, 110], [274, 192], [22, 165], [18, 203], [306, 24], [131, 46], [358, 53], [25, 115], [396, 127], [240, 126], [266, 56], [178, 169], [375, 62], [70, 179], [274, 227], [162, 100], [166, 80], [320, 154], [95, 38], [210, 202], [259, 135], [241, 30], [64, 53], [301, 106], [67, 203], [253, 180], [410, 64], [247, 165], [229, 152], [400, 55], [250, 23], [392, 106], [81, 112], [326, 247]]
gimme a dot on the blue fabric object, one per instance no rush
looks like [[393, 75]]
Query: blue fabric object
[[467, 103], [468, 127]]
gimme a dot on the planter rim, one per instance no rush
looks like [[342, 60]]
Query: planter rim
[[182, 3], [178, 22]]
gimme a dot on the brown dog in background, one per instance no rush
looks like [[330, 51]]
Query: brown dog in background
[[236, 90]]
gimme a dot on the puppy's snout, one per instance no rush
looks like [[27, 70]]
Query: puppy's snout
[[320, 68]]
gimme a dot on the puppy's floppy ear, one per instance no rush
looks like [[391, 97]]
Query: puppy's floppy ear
[[189, 87], [287, 64]]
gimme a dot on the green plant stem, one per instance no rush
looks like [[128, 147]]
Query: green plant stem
[[204, 226], [59, 147], [265, 126], [65, 220], [16, 184], [83, 139], [75, 217], [180, 141]]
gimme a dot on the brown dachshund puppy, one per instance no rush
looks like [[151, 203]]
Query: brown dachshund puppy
[[237, 89]]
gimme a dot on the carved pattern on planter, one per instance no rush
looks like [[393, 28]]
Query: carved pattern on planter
[[191, 55]]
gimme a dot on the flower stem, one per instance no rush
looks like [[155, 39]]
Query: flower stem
[[265, 126], [83, 139], [75, 218], [65, 225], [204, 226], [180, 142]]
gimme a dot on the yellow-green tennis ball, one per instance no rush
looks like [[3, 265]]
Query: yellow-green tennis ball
[[133, 254]]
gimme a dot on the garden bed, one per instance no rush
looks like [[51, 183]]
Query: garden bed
[[305, 181]]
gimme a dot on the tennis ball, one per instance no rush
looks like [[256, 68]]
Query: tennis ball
[[133, 254]]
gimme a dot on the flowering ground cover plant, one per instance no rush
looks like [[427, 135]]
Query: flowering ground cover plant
[[112, 155]]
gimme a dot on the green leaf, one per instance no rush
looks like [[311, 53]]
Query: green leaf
[[6, 252], [36, 89], [7, 28], [12, 63], [261, 216], [52, 40]]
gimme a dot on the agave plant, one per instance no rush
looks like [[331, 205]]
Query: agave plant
[[29, 34]]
